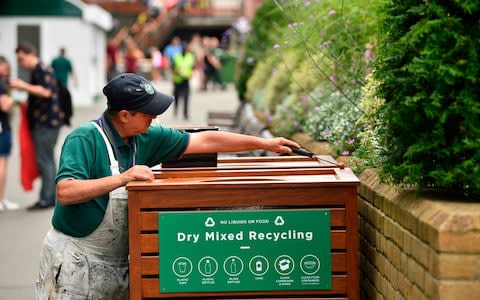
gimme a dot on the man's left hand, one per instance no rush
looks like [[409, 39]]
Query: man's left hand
[[278, 145]]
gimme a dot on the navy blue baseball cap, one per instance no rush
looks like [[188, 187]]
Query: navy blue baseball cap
[[129, 91]]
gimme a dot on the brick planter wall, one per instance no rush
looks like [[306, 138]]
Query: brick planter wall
[[416, 247], [413, 246]]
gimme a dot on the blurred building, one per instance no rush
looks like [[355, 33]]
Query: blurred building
[[179, 17], [51, 24]]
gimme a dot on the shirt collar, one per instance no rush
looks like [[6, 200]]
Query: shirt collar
[[117, 140]]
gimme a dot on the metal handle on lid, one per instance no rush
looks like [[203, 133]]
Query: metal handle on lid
[[300, 151]]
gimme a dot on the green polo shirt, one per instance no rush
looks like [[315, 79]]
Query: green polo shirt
[[62, 68], [84, 156]]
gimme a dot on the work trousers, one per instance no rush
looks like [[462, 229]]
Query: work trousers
[[45, 140]]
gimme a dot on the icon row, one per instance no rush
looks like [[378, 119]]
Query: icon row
[[234, 265]]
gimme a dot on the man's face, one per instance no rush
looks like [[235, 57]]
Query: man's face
[[139, 122], [26, 60]]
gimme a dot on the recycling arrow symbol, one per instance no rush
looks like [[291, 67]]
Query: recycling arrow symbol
[[279, 221], [209, 222]]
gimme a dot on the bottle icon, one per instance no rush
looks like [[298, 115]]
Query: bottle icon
[[258, 266], [233, 266], [208, 267]]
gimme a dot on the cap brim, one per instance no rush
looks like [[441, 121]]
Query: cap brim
[[158, 105]]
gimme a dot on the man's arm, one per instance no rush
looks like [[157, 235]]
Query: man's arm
[[215, 141], [36, 90], [74, 191]]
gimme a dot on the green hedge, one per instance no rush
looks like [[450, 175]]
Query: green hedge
[[428, 69]]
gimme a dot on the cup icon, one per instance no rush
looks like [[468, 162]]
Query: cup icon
[[182, 267]]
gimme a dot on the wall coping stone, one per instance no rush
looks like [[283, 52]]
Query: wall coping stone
[[446, 224]]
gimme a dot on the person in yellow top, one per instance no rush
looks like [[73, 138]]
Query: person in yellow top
[[183, 65]]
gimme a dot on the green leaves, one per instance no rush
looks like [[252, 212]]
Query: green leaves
[[429, 69]]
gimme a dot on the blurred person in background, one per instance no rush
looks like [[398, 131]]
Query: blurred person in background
[[172, 49], [212, 64], [133, 55], [156, 73], [113, 49], [197, 49], [63, 68], [6, 104], [182, 70], [45, 118]]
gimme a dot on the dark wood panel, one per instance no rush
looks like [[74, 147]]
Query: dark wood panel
[[150, 264], [151, 289], [149, 241]]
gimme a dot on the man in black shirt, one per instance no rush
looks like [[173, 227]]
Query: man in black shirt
[[5, 133], [45, 118]]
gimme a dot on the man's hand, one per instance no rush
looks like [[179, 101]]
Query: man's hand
[[278, 145], [222, 141], [74, 191], [138, 172], [18, 84], [37, 90]]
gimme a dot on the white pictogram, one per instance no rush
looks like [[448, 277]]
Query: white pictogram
[[310, 264], [258, 265], [284, 265], [209, 222], [182, 267], [208, 266], [279, 221], [233, 265]]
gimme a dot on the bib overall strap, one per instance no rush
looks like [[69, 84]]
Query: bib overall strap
[[111, 156]]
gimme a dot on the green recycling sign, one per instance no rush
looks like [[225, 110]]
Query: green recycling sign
[[262, 250]]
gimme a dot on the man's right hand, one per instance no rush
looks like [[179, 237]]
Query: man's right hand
[[139, 172]]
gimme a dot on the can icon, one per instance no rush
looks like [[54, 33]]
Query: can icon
[[258, 266]]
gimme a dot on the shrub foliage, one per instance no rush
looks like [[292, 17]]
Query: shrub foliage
[[428, 69]]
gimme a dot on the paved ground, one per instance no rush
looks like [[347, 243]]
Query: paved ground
[[22, 232]]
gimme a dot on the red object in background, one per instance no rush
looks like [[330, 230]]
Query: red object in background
[[28, 165], [169, 4]]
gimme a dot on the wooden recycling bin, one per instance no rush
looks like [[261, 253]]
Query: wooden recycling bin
[[193, 232]]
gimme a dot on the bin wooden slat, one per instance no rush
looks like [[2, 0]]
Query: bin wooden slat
[[280, 161], [149, 219], [149, 241], [150, 264], [258, 163], [151, 289], [199, 172], [289, 196]]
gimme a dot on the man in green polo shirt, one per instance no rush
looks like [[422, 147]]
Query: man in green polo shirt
[[63, 68], [85, 253]]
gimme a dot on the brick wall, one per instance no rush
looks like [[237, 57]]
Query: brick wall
[[416, 247]]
